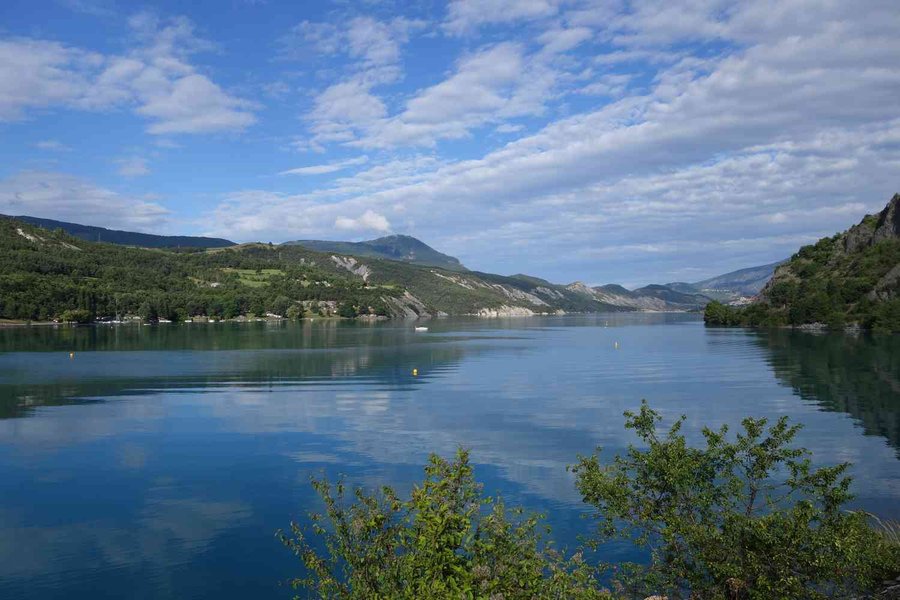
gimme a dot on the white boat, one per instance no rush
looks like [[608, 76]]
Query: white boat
[[421, 329]]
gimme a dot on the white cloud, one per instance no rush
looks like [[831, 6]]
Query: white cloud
[[463, 16], [343, 110], [368, 221], [69, 198], [790, 133], [327, 168], [155, 78], [52, 145], [194, 104], [564, 39], [493, 84], [40, 74], [373, 47], [509, 128], [134, 166]]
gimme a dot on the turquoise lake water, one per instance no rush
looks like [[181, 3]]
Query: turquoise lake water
[[158, 462]]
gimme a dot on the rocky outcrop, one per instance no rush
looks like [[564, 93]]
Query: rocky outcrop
[[885, 225], [352, 265], [510, 292], [505, 311], [406, 306], [553, 294], [887, 287]]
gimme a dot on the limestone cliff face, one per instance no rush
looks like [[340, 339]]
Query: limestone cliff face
[[352, 265], [885, 225]]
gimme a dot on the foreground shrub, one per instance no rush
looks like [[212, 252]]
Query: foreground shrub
[[445, 541], [748, 518]]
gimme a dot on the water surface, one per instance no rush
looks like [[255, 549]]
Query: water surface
[[157, 462]]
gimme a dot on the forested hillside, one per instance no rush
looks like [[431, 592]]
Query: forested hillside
[[91, 233], [48, 275], [852, 278], [402, 248]]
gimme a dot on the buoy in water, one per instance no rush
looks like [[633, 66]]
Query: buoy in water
[[616, 346], [71, 355], [415, 372]]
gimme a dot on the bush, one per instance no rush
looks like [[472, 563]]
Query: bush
[[347, 311], [445, 541], [742, 519], [748, 518], [78, 315]]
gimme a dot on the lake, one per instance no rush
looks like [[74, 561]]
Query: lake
[[158, 462]]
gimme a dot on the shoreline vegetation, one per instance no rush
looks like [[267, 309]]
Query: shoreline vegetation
[[743, 517]]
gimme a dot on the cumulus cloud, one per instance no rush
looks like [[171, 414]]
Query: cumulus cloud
[[155, 78], [69, 198], [368, 221]]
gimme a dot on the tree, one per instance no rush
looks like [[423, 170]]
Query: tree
[[446, 541], [78, 315], [748, 518], [347, 310]]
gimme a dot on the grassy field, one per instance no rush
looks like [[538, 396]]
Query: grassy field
[[254, 277]]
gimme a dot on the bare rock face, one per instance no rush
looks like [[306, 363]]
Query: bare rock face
[[352, 265], [887, 286], [406, 307], [505, 311], [885, 226]]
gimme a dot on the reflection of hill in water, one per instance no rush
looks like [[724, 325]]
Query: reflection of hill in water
[[250, 357], [859, 376]]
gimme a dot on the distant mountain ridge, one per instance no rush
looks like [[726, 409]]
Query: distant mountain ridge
[[402, 248], [91, 233], [650, 297]]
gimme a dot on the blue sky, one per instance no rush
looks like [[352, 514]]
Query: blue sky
[[596, 140]]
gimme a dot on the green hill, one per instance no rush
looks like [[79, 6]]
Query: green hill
[[127, 238], [402, 248], [849, 279], [48, 275]]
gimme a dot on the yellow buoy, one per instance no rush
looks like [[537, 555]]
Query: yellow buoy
[[71, 355], [415, 372]]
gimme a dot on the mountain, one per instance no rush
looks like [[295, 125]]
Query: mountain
[[393, 247], [47, 274], [850, 278], [126, 238], [731, 286], [651, 297], [746, 282]]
